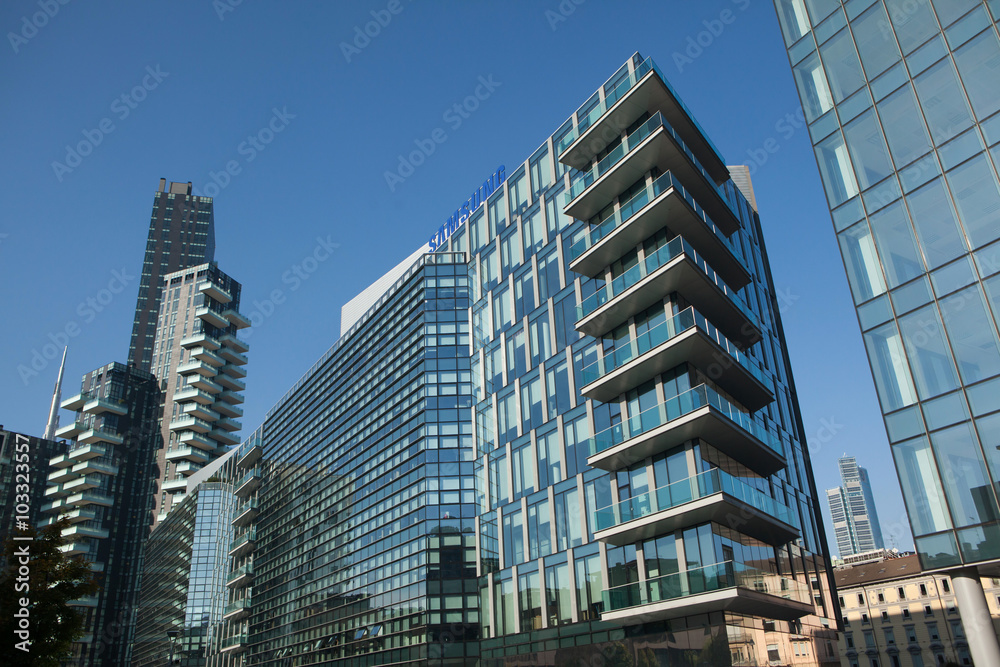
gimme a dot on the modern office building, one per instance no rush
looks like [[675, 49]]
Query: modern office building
[[102, 483], [901, 98], [897, 615], [199, 360], [568, 433], [852, 506], [181, 235], [185, 567], [20, 455]]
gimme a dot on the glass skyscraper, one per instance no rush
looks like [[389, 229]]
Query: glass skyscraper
[[852, 507], [901, 97], [569, 433]]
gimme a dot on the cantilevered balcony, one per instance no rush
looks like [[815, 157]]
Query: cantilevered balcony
[[187, 454], [73, 516], [93, 466], [674, 267], [187, 468], [697, 413], [235, 643], [75, 547], [76, 402], [82, 483], [232, 397], [234, 342], [227, 424], [215, 318], [243, 544], [228, 410], [199, 367], [219, 294], [201, 441], [713, 495], [234, 370], [97, 405], [189, 423], [685, 337], [87, 452], [229, 382], [207, 356], [188, 394], [175, 485], [241, 577], [224, 436], [250, 455], [654, 144], [203, 383], [249, 483], [246, 513], [200, 411], [61, 461], [60, 475], [644, 89], [236, 318], [53, 491], [77, 531], [662, 203], [90, 498], [201, 339], [70, 431], [99, 434], [232, 356], [727, 586]]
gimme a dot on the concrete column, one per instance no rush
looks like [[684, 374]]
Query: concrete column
[[976, 619]]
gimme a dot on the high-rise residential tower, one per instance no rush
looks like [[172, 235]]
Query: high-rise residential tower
[[199, 360], [902, 98], [181, 234], [852, 505]]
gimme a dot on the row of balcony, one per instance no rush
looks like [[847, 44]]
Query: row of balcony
[[78, 500], [91, 403], [65, 474], [225, 344]]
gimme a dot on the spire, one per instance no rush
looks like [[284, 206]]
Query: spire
[[53, 424]]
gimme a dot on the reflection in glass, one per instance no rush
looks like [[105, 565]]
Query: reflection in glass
[[963, 473], [888, 362], [835, 167], [842, 65], [921, 486], [937, 227], [863, 269], [933, 368], [896, 245], [871, 159], [904, 128], [812, 84]]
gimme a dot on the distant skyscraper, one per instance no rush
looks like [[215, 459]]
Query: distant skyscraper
[[181, 234], [855, 520], [902, 102]]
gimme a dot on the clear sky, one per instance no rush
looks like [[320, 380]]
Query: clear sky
[[308, 114]]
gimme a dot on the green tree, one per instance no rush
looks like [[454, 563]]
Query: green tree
[[38, 573]]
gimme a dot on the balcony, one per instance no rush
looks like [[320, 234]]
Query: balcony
[[176, 485], [225, 409], [90, 498], [726, 586], [243, 544], [189, 423], [713, 495], [186, 468], [70, 431], [663, 202], [246, 513], [199, 367], [97, 406], [227, 424], [60, 475], [82, 484], [85, 531], [232, 397], [198, 440], [201, 339], [655, 144], [61, 461], [232, 356], [225, 437], [249, 483], [644, 89], [55, 506], [229, 382], [685, 337], [207, 356], [99, 434], [75, 548], [241, 577], [234, 371], [87, 452], [234, 342], [75, 402], [209, 316], [237, 319], [250, 456], [94, 466], [90, 601], [214, 291], [203, 383], [187, 454], [674, 267], [236, 643], [202, 412], [55, 491], [191, 394], [73, 516], [700, 412]]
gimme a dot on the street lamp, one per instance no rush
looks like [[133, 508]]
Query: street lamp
[[172, 636]]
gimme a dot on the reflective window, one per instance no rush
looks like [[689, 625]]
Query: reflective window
[[816, 98], [979, 63], [937, 227], [904, 127], [913, 22], [977, 196], [896, 245], [943, 101], [875, 41], [835, 168], [972, 334], [871, 159], [888, 362], [842, 65], [793, 18], [963, 473], [863, 269], [921, 486], [933, 368]]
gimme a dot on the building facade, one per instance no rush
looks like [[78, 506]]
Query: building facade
[[102, 484], [181, 234], [901, 99], [898, 615], [199, 359], [24, 469], [852, 507]]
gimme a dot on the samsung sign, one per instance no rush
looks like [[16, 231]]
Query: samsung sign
[[470, 205]]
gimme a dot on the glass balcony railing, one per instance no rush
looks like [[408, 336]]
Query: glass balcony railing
[[235, 640], [246, 570], [686, 490], [653, 262], [635, 204], [716, 577], [680, 323], [249, 536], [675, 408]]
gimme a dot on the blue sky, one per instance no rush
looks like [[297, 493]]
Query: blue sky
[[307, 117]]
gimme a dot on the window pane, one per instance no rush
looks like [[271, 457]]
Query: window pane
[[933, 368], [812, 85], [875, 42], [921, 486], [793, 18], [904, 128], [863, 269], [913, 22], [978, 199], [943, 102], [888, 362], [835, 168], [896, 245], [972, 334], [979, 63], [937, 227], [871, 159], [963, 472], [842, 65]]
